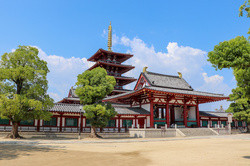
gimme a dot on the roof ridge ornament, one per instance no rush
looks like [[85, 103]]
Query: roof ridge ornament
[[145, 69], [110, 37], [180, 75]]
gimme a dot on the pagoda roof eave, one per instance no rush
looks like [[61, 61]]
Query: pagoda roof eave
[[127, 67], [100, 51], [125, 80]]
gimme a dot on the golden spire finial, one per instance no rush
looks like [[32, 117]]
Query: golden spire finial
[[110, 37], [180, 75]]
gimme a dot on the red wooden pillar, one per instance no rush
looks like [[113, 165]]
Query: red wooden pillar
[[172, 114], [119, 121], [85, 122], [151, 114], [81, 119], [198, 115], [167, 115], [185, 114], [38, 125], [60, 123], [136, 124], [210, 122]]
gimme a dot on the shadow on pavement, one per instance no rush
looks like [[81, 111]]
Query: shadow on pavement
[[246, 157], [12, 151]]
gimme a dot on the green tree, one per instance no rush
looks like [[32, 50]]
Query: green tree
[[23, 87], [235, 54], [92, 87], [245, 7]]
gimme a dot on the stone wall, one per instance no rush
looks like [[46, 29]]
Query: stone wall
[[152, 133]]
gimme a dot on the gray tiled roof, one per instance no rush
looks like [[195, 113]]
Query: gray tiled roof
[[63, 107], [168, 81], [120, 109], [130, 110], [188, 92], [213, 114]]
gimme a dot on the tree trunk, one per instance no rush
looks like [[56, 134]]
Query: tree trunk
[[248, 127], [94, 134], [14, 132]]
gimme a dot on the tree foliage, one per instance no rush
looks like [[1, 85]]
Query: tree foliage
[[245, 7], [235, 54], [23, 83], [99, 114], [92, 87]]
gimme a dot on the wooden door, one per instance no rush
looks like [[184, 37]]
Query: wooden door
[[141, 122]]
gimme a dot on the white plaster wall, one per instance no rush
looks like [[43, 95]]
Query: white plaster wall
[[63, 122], [83, 121], [178, 111], [79, 122], [120, 122], [146, 107], [117, 121], [148, 121], [191, 113], [58, 122], [36, 122]]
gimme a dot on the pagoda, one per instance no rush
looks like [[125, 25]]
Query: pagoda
[[112, 62]]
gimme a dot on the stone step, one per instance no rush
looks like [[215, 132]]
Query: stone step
[[197, 131]]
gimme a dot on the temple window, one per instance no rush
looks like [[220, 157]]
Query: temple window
[[52, 122], [4, 121], [214, 122], [127, 123], [27, 122], [111, 123], [71, 122]]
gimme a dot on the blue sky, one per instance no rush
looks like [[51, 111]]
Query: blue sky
[[168, 36]]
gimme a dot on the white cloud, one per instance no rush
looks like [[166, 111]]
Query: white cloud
[[184, 59], [55, 96], [176, 58], [215, 84], [63, 73], [215, 79]]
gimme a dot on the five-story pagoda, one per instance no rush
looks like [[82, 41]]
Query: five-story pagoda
[[112, 62]]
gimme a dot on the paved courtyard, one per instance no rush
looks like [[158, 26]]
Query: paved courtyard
[[213, 150]]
